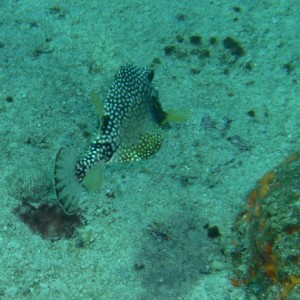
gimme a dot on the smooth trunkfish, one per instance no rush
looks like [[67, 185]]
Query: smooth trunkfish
[[131, 120]]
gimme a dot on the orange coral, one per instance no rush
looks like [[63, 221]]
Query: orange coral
[[271, 264], [292, 229], [273, 226], [289, 286], [292, 157], [265, 183], [235, 282]]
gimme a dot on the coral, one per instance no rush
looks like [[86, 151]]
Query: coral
[[31, 185], [50, 222]]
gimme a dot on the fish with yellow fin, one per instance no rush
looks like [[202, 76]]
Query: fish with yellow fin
[[131, 120]]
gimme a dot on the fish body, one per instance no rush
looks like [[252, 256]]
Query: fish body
[[129, 118], [130, 131]]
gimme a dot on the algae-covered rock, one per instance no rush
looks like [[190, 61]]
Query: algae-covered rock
[[267, 254]]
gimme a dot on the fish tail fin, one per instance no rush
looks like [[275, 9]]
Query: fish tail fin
[[178, 116], [67, 186]]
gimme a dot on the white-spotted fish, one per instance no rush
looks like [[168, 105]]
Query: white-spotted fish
[[130, 130]]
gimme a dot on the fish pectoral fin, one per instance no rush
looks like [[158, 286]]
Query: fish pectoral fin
[[67, 187], [94, 178], [99, 104], [178, 116]]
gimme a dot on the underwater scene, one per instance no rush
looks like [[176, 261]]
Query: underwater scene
[[150, 150]]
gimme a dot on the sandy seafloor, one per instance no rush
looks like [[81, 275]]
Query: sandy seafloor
[[143, 235]]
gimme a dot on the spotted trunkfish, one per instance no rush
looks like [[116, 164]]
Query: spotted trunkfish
[[131, 121]]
